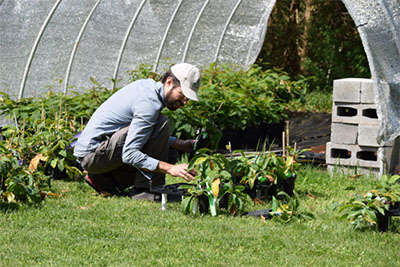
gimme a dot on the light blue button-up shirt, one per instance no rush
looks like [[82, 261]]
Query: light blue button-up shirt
[[137, 105]]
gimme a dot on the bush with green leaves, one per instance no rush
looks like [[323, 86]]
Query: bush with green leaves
[[266, 169], [286, 208], [226, 182], [215, 184], [17, 182], [42, 129], [235, 99], [362, 210]]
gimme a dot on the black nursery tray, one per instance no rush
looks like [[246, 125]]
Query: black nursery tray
[[170, 189], [394, 210], [265, 213]]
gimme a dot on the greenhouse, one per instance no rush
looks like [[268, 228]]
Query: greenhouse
[[273, 121]]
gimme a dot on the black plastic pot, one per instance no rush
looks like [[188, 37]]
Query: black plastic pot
[[267, 190], [385, 220], [288, 185], [203, 204]]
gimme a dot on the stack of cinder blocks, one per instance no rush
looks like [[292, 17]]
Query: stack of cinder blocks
[[354, 131]]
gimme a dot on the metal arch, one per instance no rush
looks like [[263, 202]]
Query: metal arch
[[262, 17], [28, 64], [165, 35], [128, 32], [192, 31], [78, 38], [225, 28], [392, 25]]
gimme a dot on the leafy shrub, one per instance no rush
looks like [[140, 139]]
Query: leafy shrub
[[215, 183], [17, 183], [235, 99], [226, 183], [361, 211], [287, 209]]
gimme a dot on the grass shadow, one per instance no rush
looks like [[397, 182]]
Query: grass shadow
[[9, 207]]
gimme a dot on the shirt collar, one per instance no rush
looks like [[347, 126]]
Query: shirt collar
[[160, 90]]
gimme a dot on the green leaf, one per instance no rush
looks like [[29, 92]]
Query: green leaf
[[200, 160], [63, 153], [60, 165], [350, 188], [394, 178], [53, 163], [185, 204], [370, 216], [274, 204], [196, 206], [94, 81]]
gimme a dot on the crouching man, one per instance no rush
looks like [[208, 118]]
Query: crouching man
[[126, 141]]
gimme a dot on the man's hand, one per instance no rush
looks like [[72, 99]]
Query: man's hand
[[178, 170], [183, 145]]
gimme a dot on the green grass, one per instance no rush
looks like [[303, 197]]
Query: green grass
[[315, 101], [83, 229]]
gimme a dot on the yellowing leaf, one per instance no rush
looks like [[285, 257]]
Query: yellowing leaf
[[215, 187], [200, 160], [289, 161], [258, 201], [228, 146], [35, 162], [10, 196], [211, 164], [51, 194], [270, 178]]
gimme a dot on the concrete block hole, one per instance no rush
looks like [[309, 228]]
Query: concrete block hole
[[370, 113], [340, 153], [346, 112], [367, 155]]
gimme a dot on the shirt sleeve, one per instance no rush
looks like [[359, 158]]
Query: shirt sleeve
[[145, 117], [171, 140]]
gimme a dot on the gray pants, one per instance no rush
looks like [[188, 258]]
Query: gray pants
[[105, 164]]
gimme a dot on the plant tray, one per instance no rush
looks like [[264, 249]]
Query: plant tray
[[170, 189], [259, 213]]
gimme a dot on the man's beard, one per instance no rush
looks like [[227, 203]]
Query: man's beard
[[170, 104], [173, 105]]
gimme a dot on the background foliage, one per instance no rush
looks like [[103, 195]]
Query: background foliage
[[314, 38]]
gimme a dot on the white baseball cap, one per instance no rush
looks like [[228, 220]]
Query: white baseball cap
[[190, 78]]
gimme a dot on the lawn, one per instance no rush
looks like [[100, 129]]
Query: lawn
[[80, 228]]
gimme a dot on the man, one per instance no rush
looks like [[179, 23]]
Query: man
[[126, 141]]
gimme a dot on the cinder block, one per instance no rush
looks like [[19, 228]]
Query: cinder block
[[367, 91], [349, 170], [340, 154], [354, 113], [342, 133], [361, 156], [347, 90], [367, 135]]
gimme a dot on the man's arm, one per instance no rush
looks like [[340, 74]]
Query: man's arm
[[179, 170], [183, 145]]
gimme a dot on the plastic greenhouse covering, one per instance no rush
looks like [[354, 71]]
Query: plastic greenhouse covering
[[62, 43]]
